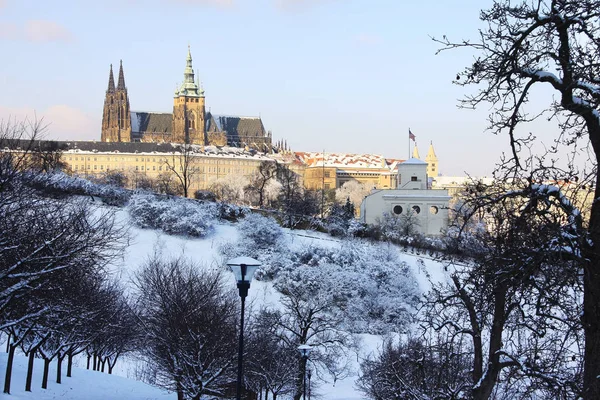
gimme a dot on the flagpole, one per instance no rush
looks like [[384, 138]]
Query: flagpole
[[408, 143]]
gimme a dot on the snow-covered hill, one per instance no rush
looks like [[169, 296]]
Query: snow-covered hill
[[84, 385], [205, 251]]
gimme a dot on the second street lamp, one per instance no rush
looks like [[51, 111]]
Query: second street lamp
[[243, 268], [304, 350]]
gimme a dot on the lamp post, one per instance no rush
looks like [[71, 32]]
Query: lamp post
[[304, 350], [309, 372], [243, 268]]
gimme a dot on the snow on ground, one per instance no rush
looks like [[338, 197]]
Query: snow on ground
[[142, 243], [84, 385]]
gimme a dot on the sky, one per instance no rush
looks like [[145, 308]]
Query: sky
[[336, 75]]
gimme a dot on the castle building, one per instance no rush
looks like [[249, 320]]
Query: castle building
[[188, 123], [332, 170], [429, 207]]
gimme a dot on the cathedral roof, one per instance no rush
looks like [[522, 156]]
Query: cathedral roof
[[235, 126], [238, 129], [151, 122]]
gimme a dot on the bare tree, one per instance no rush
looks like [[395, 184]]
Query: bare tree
[[312, 318], [515, 297], [17, 144], [259, 183], [416, 369], [40, 240], [555, 43], [270, 363], [181, 165], [188, 327], [166, 183]]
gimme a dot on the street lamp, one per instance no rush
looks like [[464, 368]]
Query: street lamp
[[309, 372], [304, 350], [243, 269]]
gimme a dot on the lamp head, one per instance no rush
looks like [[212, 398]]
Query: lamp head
[[243, 268], [304, 350]]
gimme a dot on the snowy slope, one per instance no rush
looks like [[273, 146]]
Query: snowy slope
[[84, 385], [142, 243]]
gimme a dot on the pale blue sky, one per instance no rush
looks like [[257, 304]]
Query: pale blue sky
[[339, 75]]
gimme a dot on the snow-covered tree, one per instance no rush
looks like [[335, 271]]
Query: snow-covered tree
[[260, 182], [553, 44], [515, 295], [188, 325], [41, 241], [416, 368], [230, 188], [353, 190]]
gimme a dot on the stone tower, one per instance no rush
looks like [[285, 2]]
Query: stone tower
[[116, 118], [189, 109], [432, 162]]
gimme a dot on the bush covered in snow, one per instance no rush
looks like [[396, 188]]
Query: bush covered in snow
[[261, 232], [59, 183], [173, 215], [231, 212], [366, 281]]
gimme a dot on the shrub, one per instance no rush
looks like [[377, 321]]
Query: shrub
[[177, 216]]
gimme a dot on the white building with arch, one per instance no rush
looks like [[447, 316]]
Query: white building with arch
[[411, 195]]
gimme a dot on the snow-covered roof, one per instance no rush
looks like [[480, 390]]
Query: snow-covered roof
[[414, 161], [346, 160]]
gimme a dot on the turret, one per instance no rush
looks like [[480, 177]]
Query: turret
[[432, 162], [415, 153]]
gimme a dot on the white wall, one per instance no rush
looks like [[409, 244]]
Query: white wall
[[432, 206]]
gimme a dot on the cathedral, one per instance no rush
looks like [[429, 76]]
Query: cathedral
[[188, 123]]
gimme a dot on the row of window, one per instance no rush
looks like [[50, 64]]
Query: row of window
[[163, 161], [160, 168], [416, 209]]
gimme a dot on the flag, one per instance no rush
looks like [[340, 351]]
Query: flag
[[411, 136]]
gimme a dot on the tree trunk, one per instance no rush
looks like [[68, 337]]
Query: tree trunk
[[102, 364], [9, 366], [488, 381], [45, 376], [59, 361], [70, 363], [95, 362], [591, 300], [29, 377], [89, 358], [8, 342]]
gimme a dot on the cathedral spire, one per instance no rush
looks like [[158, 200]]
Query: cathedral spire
[[189, 87], [111, 81], [121, 84]]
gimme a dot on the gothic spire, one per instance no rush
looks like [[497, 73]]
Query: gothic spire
[[121, 84], [111, 81], [189, 87]]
